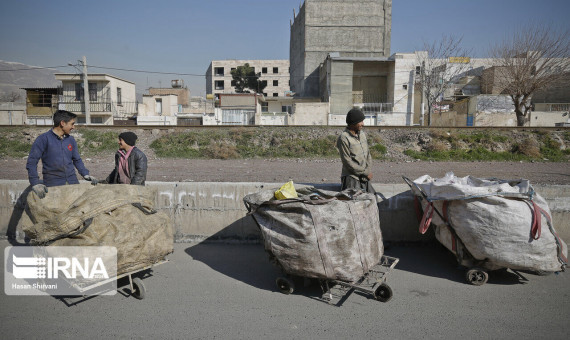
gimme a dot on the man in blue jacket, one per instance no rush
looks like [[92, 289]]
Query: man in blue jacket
[[59, 155]]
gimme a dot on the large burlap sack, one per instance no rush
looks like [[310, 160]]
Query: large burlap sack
[[321, 234], [122, 216], [492, 223]]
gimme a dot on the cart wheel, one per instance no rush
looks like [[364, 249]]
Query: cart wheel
[[477, 276], [139, 291], [383, 293], [285, 285]]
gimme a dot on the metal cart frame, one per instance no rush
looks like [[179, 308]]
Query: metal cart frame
[[136, 286], [335, 292]]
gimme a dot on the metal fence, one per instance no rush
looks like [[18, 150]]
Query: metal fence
[[238, 117]]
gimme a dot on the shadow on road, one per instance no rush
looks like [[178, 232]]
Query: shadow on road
[[247, 263], [434, 260]]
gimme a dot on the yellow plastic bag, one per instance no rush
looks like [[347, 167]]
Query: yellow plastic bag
[[287, 190]]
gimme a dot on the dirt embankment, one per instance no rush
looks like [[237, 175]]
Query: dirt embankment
[[327, 170]]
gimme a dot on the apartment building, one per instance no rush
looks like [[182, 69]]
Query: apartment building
[[274, 73]]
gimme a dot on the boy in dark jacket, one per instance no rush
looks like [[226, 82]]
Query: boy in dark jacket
[[130, 162]]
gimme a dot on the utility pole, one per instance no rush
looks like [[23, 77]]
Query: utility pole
[[86, 93], [422, 94]]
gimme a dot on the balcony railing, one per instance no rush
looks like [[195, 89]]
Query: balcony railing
[[106, 107], [548, 107]]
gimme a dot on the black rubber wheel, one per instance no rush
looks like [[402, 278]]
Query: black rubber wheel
[[476, 276], [285, 285], [383, 293], [139, 291]]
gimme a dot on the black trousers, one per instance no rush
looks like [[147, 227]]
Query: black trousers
[[348, 182]]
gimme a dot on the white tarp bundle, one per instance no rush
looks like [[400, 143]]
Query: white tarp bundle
[[492, 223], [321, 234]]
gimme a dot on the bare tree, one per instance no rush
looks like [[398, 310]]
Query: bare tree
[[10, 97], [532, 59], [441, 64]]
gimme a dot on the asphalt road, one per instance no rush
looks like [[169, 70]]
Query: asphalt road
[[221, 291]]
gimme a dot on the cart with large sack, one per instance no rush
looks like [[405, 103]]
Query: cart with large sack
[[330, 236], [121, 216], [490, 224]]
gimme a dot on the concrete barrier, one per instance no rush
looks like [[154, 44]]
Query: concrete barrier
[[215, 211]]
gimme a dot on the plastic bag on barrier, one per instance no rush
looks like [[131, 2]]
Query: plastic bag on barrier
[[287, 190]]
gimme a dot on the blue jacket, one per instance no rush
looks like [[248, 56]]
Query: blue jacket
[[59, 157]]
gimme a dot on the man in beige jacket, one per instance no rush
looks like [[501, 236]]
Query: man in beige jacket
[[355, 155]]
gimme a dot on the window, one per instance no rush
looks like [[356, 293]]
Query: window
[[92, 92], [232, 69], [94, 120], [265, 94], [219, 84], [286, 108], [264, 83], [264, 107], [158, 106], [276, 70], [264, 70], [119, 96], [218, 71], [233, 83], [275, 94], [276, 83], [79, 91]]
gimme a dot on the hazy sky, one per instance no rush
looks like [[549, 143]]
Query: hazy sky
[[183, 36]]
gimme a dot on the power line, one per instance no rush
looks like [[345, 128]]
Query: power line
[[34, 68], [143, 71]]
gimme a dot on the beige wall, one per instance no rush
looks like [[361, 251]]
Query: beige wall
[[182, 93], [309, 114], [449, 118]]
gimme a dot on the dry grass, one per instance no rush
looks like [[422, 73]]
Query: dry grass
[[528, 147]]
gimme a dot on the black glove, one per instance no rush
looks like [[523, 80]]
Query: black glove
[[91, 179], [40, 190]]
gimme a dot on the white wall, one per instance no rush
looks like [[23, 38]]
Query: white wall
[[156, 120], [403, 74], [169, 105], [274, 119], [13, 114], [548, 118]]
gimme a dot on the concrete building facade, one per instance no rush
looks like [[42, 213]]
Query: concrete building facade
[[274, 72], [350, 28]]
